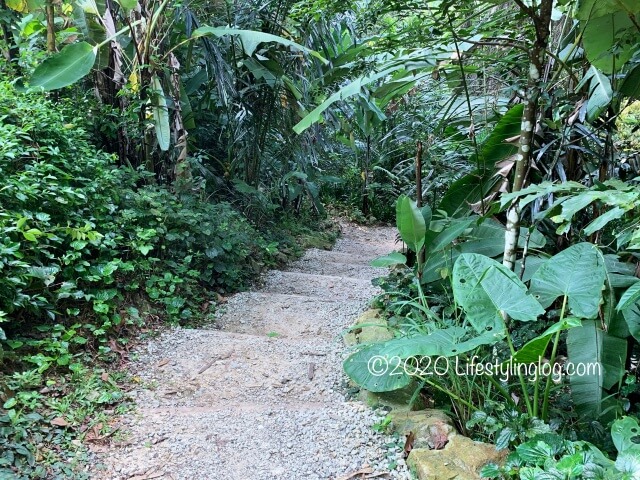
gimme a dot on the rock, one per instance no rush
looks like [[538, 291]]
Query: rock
[[460, 459], [398, 400], [431, 428], [374, 329]]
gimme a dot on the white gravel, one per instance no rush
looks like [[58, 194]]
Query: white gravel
[[261, 393]]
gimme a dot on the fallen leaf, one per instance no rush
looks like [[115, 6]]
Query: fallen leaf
[[104, 377], [59, 422], [408, 445], [220, 298], [362, 471], [147, 476], [162, 362]]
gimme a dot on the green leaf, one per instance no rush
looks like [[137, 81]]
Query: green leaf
[[476, 185], [426, 214], [600, 92], [186, 110], [410, 223], [128, 4], [251, 39], [349, 90], [64, 68], [588, 9], [534, 349], [533, 192], [449, 234], [602, 358], [577, 272], [536, 452], [394, 258], [629, 297], [145, 249], [602, 37], [600, 222], [421, 59], [630, 86], [380, 367], [625, 434], [486, 289], [160, 114], [631, 316]]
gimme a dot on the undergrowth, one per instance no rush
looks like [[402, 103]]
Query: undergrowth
[[91, 255]]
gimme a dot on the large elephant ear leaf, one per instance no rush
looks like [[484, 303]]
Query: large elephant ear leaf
[[487, 290], [64, 68], [577, 272], [382, 367]]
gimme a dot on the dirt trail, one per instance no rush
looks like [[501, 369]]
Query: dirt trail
[[260, 394]]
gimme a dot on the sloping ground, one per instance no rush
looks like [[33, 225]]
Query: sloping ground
[[261, 394]]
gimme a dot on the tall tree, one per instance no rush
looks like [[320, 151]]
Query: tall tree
[[541, 17]]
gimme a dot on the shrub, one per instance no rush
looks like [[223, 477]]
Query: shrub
[[77, 236]]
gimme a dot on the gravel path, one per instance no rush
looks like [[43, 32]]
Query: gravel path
[[261, 394]]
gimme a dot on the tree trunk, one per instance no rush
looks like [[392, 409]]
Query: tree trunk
[[542, 22], [51, 32]]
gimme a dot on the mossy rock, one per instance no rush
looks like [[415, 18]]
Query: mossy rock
[[370, 327], [398, 400], [431, 428], [321, 241], [460, 459]]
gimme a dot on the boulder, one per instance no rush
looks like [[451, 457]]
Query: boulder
[[438, 451], [460, 459], [431, 428], [374, 328], [397, 400]]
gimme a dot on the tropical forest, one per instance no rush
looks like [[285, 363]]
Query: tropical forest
[[319, 240]]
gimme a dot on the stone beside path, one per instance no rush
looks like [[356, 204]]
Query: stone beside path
[[260, 394]]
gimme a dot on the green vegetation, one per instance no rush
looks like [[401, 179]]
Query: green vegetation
[[90, 254], [157, 155]]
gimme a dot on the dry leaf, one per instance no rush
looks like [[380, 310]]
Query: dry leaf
[[104, 377], [59, 422], [362, 471], [220, 298], [147, 476], [162, 362], [408, 445]]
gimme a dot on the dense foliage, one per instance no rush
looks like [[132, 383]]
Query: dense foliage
[[500, 135], [90, 252]]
